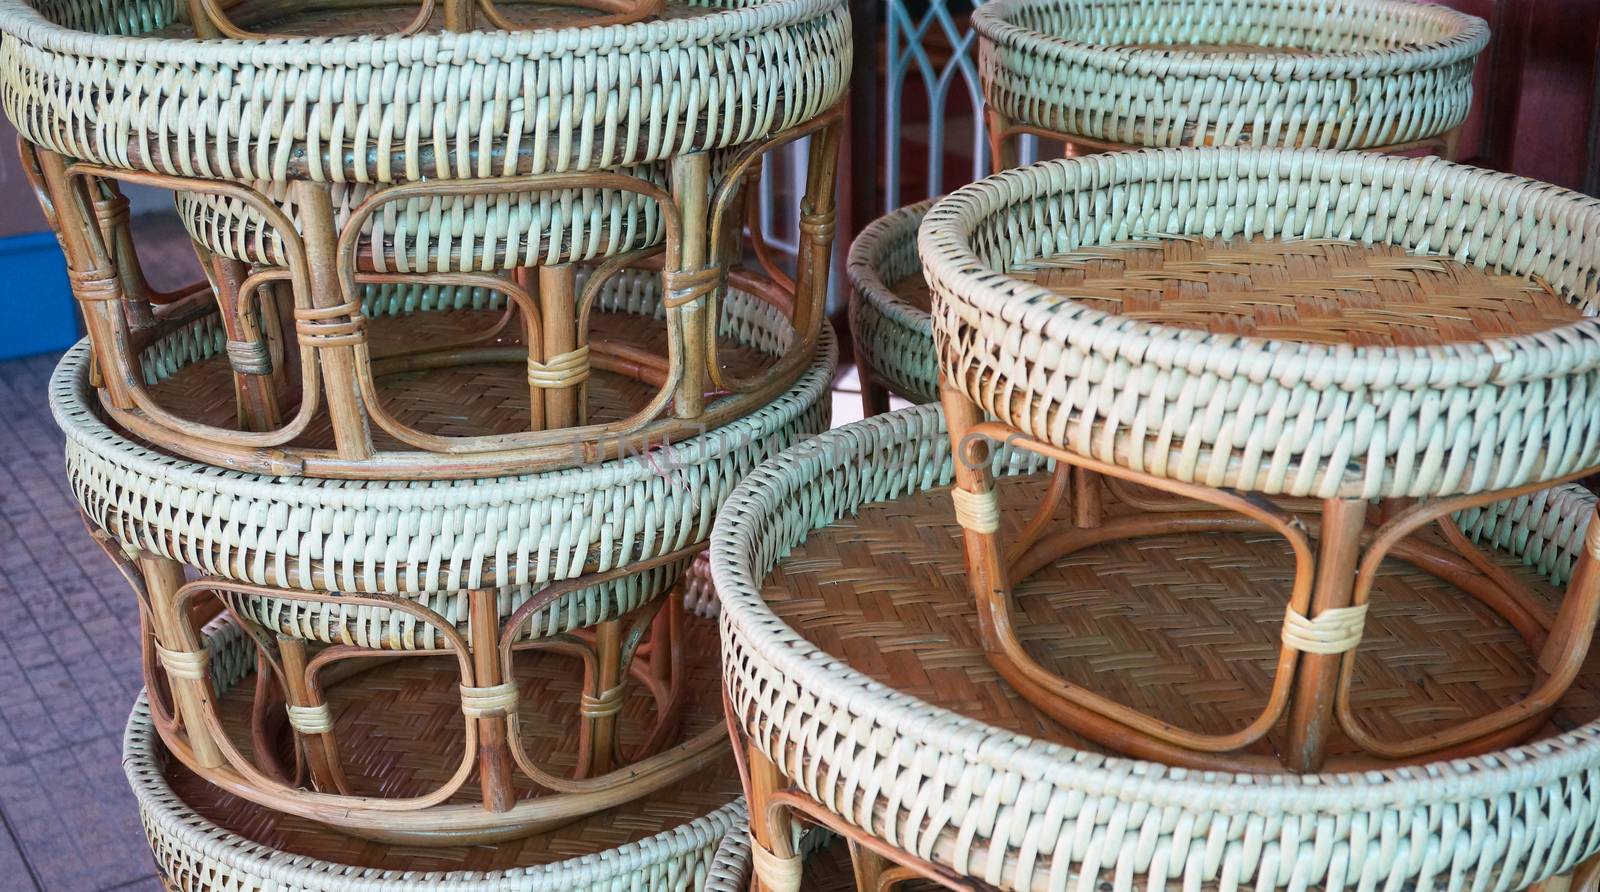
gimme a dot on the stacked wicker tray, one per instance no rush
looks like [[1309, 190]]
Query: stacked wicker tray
[[1389, 76], [407, 484]]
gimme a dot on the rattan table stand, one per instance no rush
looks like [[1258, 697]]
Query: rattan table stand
[[859, 698], [1271, 373], [1109, 75]]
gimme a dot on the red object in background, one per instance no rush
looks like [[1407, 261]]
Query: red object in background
[[1536, 104]]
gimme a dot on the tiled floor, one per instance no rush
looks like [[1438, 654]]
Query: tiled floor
[[67, 670], [68, 666]]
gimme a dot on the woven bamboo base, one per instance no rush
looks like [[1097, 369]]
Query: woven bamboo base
[[459, 400], [399, 729], [1183, 627]]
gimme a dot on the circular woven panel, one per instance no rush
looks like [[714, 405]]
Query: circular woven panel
[[1182, 627], [399, 732], [1322, 291], [467, 400]]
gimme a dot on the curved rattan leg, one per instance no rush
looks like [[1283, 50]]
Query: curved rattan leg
[[186, 669], [601, 704], [247, 349], [1002, 141], [310, 717], [1311, 716], [874, 396], [687, 312], [494, 752], [778, 867], [334, 340]]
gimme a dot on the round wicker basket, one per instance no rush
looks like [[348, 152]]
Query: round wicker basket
[[970, 802], [889, 311], [662, 846], [118, 85], [1338, 74], [1442, 342]]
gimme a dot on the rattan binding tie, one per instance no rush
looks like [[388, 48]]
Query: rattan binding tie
[[562, 370], [684, 287], [249, 357], [324, 327], [310, 719], [190, 664], [608, 703], [818, 226], [111, 212], [776, 874], [487, 702], [1334, 631], [977, 511], [96, 284]]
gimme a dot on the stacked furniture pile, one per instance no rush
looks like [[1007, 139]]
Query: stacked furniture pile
[[1391, 76], [1244, 549], [407, 483]]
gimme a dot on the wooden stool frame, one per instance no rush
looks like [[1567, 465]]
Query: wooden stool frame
[[1326, 608], [291, 679], [319, 283]]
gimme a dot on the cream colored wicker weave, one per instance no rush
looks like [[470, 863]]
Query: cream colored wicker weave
[[193, 854], [309, 168], [480, 568], [889, 312], [1226, 324], [978, 807], [1385, 75]]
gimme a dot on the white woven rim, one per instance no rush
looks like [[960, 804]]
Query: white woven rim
[[954, 269], [993, 20], [24, 22]]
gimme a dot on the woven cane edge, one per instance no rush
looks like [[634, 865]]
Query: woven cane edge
[[892, 338], [993, 21]]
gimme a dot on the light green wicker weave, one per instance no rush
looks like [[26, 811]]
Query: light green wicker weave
[[195, 855], [1279, 417], [86, 80], [992, 808], [427, 540], [893, 334], [1343, 74]]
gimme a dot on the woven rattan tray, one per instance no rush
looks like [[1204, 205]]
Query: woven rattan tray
[[93, 82], [889, 303], [855, 665], [1300, 323], [1342, 74], [205, 839]]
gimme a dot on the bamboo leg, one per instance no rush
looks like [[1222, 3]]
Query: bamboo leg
[[600, 710], [868, 867], [191, 693], [458, 15], [1002, 146], [494, 753], [1451, 150], [985, 560], [777, 867], [874, 396], [558, 321], [247, 350], [334, 339], [686, 304], [308, 714], [814, 260], [1311, 716], [1087, 510], [95, 282]]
